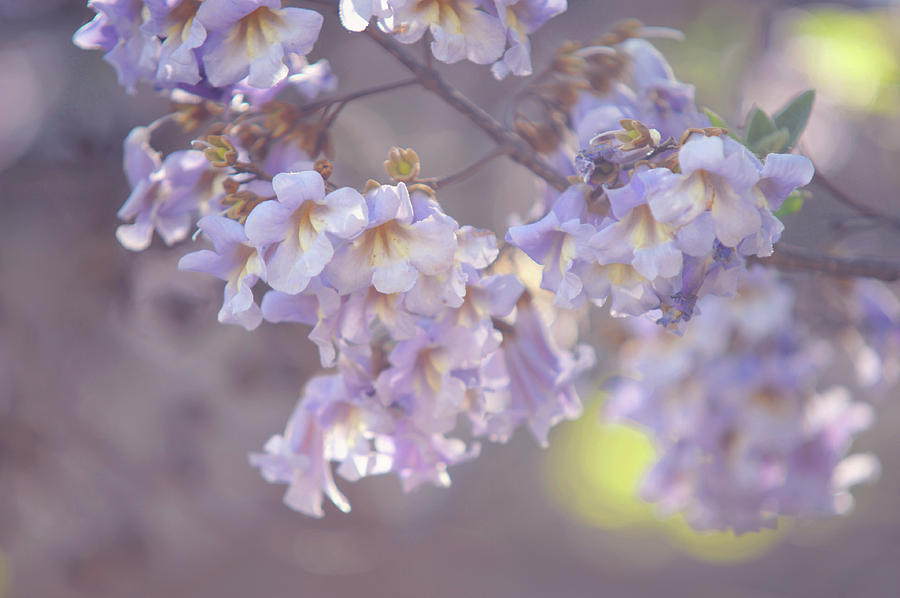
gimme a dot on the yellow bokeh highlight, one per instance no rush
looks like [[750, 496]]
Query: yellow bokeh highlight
[[852, 56], [721, 547], [593, 471]]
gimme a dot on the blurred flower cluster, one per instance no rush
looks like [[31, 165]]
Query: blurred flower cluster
[[432, 338], [744, 431]]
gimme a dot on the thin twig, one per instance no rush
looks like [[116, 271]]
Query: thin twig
[[359, 94], [431, 80], [791, 257], [865, 209], [471, 169]]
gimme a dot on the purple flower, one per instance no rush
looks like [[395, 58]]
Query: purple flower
[[719, 174], [330, 423], [117, 29], [541, 376], [419, 458], [557, 241], [182, 33], [165, 195], [393, 249], [521, 18], [314, 80], [294, 231], [236, 262], [459, 30], [318, 306], [433, 294], [252, 38]]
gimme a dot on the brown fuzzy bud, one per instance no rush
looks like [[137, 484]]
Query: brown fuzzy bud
[[323, 167]]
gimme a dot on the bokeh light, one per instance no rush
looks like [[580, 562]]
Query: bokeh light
[[854, 56], [593, 470]]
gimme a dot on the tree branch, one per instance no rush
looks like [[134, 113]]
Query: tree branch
[[791, 257], [847, 199], [439, 183], [431, 80], [359, 94]]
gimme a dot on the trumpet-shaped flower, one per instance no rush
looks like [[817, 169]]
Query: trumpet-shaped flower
[[165, 194], [394, 249], [118, 30], [541, 376], [330, 423], [235, 261], [294, 231], [182, 33], [521, 18], [458, 28], [253, 39]]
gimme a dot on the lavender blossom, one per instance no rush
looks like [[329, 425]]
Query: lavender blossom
[[174, 21], [165, 194], [253, 38], [521, 18], [330, 423], [394, 249], [294, 231], [458, 28], [236, 262], [118, 30], [743, 433], [541, 376]]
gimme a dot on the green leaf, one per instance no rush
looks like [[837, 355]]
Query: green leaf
[[795, 115], [758, 126], [717, 121], [773, 143], [791, 205]]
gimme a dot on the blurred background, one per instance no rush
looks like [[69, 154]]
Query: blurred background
[[127, 411]]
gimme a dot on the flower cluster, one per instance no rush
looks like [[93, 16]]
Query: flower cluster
[[867, 313], [197, 44], [668, 207], [433, 342], [477, 30], [250, 135], [402, 301], [208, 46], [744, 434]]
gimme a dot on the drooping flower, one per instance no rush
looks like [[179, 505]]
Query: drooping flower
[[118, 30], [459, 29], [394, 248], [174, 21], [253, 39], [330, 423], [521, 18], [541, 390], [235, 261], [165, 194], [295, 230], [318, 306], [556, 242]]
